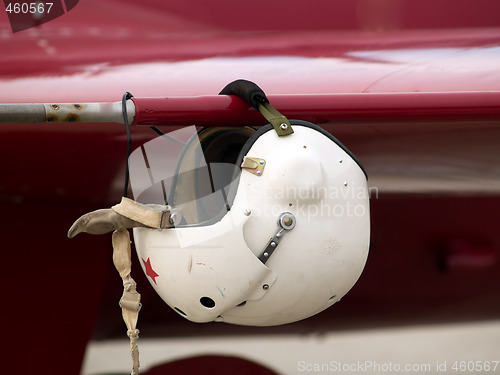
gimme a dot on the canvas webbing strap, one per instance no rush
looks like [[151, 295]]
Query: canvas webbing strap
[[148, 215], [151, 216], [131, 299], [126, 214]]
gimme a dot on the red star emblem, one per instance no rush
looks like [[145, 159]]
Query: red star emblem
[[149, 270]]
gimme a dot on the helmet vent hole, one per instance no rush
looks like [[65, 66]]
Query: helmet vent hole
[[332, 298], [242, 304], [180, 311], [208, 302]]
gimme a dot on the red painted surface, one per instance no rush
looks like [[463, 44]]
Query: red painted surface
[[322, 62], [378, 50], [323, 108], [52, 288]]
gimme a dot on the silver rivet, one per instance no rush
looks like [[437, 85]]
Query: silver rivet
[[278, 235], [262, 161], [273, 244], [340, 161], [288, 220], [266, 254], [284, 126], [259, 172], [345, 183], [265, 286], [247, 212]]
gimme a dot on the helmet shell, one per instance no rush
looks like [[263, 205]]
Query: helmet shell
[[211, 271]]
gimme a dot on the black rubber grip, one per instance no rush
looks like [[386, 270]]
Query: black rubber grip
[[246, 90]]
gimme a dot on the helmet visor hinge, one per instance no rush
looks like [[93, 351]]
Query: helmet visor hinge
[[286, 223]]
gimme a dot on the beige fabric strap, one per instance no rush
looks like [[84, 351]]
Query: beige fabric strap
[[153, 216], [127, 214], [130, 301]]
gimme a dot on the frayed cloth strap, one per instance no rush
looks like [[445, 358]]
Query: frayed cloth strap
[[127, 214], [131, 299], [153, 216]]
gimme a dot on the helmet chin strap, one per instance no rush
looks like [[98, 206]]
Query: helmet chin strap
[[118, 219], [131, 299]]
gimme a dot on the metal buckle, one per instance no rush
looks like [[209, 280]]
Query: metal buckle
[[162, 219]]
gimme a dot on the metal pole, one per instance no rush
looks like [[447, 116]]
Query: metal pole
[[229, 110], [24, 113], [345, 108]]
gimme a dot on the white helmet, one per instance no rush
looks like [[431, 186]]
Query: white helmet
[[268, 229]]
